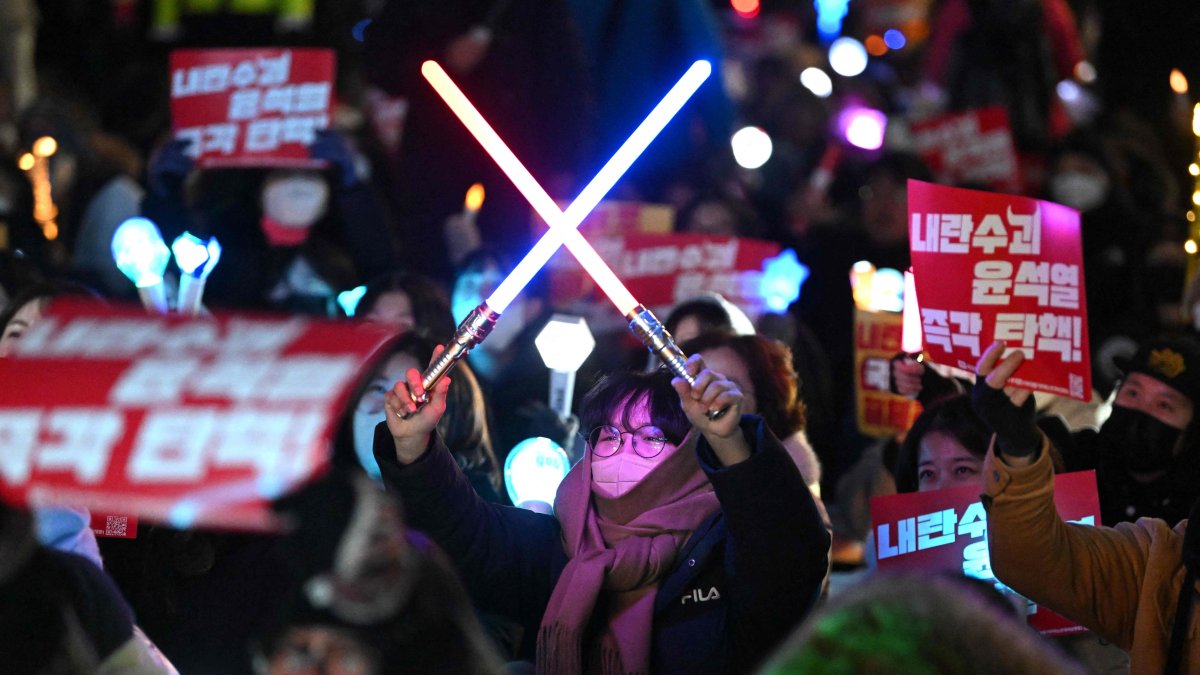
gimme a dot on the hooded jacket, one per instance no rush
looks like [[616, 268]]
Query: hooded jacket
[[1121, 582], [743, 580]]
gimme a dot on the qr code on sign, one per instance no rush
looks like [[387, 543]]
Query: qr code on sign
[[115, 526], [1075, 383]]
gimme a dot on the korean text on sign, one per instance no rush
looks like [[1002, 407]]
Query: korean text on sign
[[999, 267], [251, 106]]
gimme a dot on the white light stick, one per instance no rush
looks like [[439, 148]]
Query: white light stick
[[140, 254], [196, 259], [564, 344]]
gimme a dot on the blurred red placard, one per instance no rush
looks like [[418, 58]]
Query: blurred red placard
[[172, 419], [661, 270], [876, 340], [970, 148], [251, 107], [1000, 267], [946, 530]]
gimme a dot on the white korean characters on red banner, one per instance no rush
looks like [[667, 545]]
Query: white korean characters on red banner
[[972, 147], [251, 107], [999, 267], [946, 530], [172, 419]]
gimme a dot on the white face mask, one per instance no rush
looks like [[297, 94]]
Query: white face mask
[[616, 475], [1082, 191], [364, 441], [296, 201]]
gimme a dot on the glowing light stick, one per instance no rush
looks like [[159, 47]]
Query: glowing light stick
[[532, 472], [910, 336], [196, 259], [476, 326], [141, 255]]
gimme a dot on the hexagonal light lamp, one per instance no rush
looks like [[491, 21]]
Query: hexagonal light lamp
[[565, 343]]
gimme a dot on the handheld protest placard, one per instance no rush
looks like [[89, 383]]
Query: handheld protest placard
[[172, 419], [1001, 267]]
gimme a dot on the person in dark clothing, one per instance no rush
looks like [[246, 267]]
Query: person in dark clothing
[[679, 543], [1145, 454], [521, 65], [290, 238], [59, 612], [369, 596]]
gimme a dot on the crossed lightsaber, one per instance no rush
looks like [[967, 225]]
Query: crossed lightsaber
[[563, 227]]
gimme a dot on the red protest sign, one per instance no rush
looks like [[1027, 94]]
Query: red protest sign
[[876, 340], [118, 526], [251, 107], [999, 267], [661, 270], [973, 147], [946, 530], [172, 419]]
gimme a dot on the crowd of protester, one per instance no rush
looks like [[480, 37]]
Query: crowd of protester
[[700, 525]]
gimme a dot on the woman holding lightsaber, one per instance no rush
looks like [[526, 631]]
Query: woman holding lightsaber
[[681, 542]]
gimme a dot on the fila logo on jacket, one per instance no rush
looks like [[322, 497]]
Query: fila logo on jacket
[[700, 595]]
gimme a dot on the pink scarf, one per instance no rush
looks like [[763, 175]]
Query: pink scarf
[[622, 546]]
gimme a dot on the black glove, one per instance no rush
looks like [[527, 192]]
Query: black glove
[[333, 148], [168, 168], [1015, 427]]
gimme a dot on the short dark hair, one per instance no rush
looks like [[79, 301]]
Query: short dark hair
[[45, 291], [430, 304], [600, 405], [953, 416], [769, 363], [464, 425], [707, 311]]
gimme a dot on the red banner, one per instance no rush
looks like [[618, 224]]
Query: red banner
[[947, 530], [876, 340], [1023, 260], [974, 147], [251, 107], [662, 270], [172, 419]]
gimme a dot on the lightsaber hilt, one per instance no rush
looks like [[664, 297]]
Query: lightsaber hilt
[[658, 340], [470, 332]]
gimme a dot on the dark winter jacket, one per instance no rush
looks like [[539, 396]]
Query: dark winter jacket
[[744, 579]]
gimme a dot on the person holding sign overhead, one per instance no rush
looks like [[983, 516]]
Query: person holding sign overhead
[[1133, 584]]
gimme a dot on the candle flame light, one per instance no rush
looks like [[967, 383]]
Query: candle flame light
[[474, 200], [1179, 83], [45, 146]]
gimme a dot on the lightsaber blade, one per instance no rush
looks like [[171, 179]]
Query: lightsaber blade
[[563, 225]]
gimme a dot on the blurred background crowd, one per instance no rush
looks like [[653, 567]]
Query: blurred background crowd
[[804, 137]]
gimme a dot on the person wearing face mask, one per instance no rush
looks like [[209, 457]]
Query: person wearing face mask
[[291, 238], [1133, 583], [463, 427], [679, 543], [1116, 238]]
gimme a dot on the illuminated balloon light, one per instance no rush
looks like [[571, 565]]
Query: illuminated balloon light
[[747, 9], [533, 471], [190, 252], [830, 14], [817, 81], [348, 300], [863, 127], [783, 277], [751, 147], [894, 39], [1179, 82], [139, 252], [1068, 91], [142, 256], [887, 291], [847, 57]]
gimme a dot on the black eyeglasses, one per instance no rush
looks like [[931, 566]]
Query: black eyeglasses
[[606, 440]]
